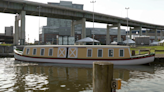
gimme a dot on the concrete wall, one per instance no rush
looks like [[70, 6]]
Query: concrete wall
[[6, 49]]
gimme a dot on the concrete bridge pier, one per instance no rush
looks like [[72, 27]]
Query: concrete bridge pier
[[82, 21], [119, 33], [146, 32], [107, 36], [108, 40], [136, 28], [16, 36], [16, 31], [83, 28], [22, 40], [140, 29]]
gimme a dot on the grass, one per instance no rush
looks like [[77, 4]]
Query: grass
[[152, 49], [6, 44]]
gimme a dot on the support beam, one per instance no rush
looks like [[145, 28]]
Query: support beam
[[73, 29], [107, 36], [22, 41], [156, 35], [130, 33], [119, 33], [146, 32], [108, 40], [140, 31], [16, 35], [83, 35]]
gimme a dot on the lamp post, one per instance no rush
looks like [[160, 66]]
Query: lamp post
[[127, 22], [93, 19]]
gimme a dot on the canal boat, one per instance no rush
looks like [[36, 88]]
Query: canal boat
[[81, 54]]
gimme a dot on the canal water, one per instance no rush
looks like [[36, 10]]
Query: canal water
[[18, 76]]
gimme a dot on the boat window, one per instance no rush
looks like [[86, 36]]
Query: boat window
[[34, 51], [50, 52], [28, 51], [121, 53], [100, 52], [42, 52], [89, 53], [110, 53]]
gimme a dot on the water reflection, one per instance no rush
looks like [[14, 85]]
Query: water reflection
[[23, 76]]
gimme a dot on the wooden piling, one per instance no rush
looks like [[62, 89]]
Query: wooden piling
[[102, 76]]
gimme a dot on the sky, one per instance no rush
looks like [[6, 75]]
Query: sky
[[150, 11]]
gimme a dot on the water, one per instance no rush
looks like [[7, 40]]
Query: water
[[17, 76]]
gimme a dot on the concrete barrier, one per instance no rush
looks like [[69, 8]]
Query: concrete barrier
[[6, 51]]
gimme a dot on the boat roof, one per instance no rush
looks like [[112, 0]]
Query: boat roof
[[83, 46]]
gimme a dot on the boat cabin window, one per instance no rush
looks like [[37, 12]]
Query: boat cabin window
[[121, 53], [100, 51], [89, 53], [50, 52], [42, 52], [28, 51], [110, 53], [34, 51]]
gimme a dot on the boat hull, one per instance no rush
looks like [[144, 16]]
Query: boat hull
[[134, 61]]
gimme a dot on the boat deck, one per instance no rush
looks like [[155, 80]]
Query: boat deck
[[139, 55]]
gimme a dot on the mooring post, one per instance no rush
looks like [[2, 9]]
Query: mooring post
[[102, 76]]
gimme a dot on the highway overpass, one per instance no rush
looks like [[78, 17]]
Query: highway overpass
[[31, 8]]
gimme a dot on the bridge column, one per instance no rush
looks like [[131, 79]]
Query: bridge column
[[72, 29], [119, 33], [161, 35], [130, 32], [83, 35], [146, 32], [140, 29], [156, 35], [22, 41], [107, 36], [16, 36]]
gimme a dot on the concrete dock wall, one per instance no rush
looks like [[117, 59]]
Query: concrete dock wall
[[6, 51]]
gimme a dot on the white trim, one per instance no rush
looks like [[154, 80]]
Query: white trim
[[98, 53], [72, 52], [33, 51], [119, 52], [28, 51], [43, 51], [64, 54], [78, 46], [91, 51], [113, 52], [49, 51]]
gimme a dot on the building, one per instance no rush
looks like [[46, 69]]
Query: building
[[55, 25], [7, 37], [9, 31], [62, 27], [150, 33]]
